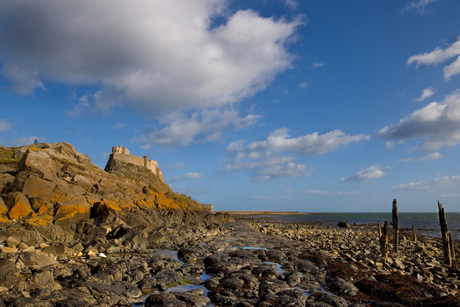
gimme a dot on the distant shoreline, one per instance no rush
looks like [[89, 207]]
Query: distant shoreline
[[262, 212]]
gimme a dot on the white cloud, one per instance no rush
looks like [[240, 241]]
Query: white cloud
[[262, 155], [269, 165], [188, 176], [287, 190], [428, 92], [304, 84], [118, 126], [417, 5], [433, 156], [369, 173], [389, 145], [200, 127], [438, 184], [332, 193], [177, 165], [439, 55], [289, 169], [291, 3], [27, 140], [437, 123], [23, 81], [159, 56], [145, 146], [310, 144], [4, 125], [317, 64]]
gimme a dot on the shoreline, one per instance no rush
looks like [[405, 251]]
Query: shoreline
[[257, 213]]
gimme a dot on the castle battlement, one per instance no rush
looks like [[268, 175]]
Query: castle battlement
[[122, 154]]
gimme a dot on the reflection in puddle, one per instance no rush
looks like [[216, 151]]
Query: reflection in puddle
[[205, 277], [167, 254], [254, 247], [278, 267]]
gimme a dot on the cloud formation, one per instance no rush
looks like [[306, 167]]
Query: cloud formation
[[317, 64], [417, 6], [369, 173], [438, 184], [437, 123], [23, 81], [264, 155], [118, 126], [433, 156], [439, 55], [200, 127], [308, 145], [157, 55], [428, 92], [177, 165], [4, 125], [188, 176], [269, 165]]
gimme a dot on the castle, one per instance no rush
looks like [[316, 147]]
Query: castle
[[122, 154]]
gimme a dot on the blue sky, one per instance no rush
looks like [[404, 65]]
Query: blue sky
[[312, 106]]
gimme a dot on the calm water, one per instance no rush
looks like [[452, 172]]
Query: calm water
[[428, 223]]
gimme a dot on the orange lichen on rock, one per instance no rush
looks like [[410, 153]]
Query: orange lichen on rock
[[5, 220], [66, 211], [3, 207], [43, 209], [109, 204], [20, 210], [44, 219]]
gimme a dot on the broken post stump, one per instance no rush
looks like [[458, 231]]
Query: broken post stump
[[446, 249], [384, 241], [395, 225], [414, 234]]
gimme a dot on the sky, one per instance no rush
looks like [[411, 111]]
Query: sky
[[310, 106]]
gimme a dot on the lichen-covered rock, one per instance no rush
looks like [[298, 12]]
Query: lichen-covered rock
[[20, 206]]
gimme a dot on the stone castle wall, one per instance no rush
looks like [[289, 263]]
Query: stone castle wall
[[122, 154]]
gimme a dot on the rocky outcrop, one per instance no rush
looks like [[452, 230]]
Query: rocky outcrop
[[53, 195], [53, 183]]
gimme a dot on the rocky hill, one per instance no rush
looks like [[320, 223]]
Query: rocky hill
[[56, 191]]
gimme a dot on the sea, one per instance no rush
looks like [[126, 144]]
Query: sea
[[426, 224]]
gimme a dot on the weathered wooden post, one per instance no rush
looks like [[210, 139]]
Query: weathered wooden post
[[452, 247], [414, 234], [395, 225], [380, 231], [446, 249], [384, 241]]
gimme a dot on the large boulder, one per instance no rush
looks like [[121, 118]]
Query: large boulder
[[38, 162]]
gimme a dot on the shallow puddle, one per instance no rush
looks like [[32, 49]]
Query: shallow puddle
[[278, 267]]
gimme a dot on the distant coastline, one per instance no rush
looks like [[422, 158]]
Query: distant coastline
[[262, 212]]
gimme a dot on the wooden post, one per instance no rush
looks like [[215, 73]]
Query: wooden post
[[380, 231], [414, 234], [452, 247], [384, 241], [446, 249], [395, 225]]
